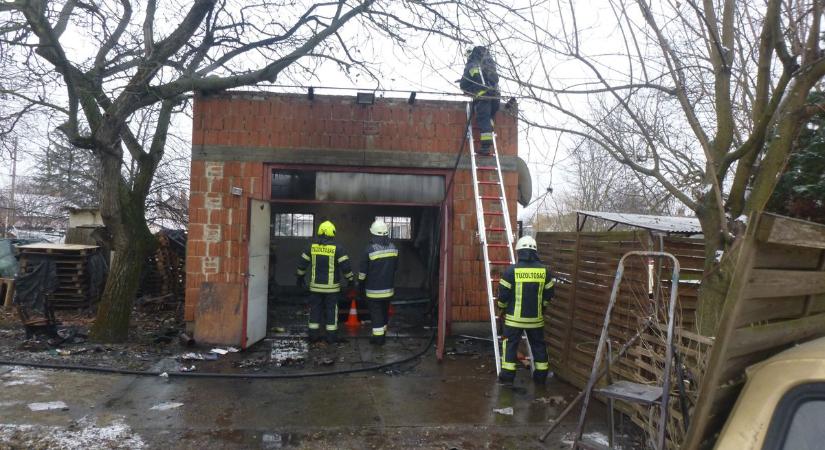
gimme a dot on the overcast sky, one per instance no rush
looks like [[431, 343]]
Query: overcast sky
[[431, 65]]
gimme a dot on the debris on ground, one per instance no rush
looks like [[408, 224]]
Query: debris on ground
[[166, 406], [194, 356], [508, 411], [552, 400], [288, 351], [49, 406]]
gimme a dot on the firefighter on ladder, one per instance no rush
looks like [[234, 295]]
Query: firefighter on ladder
[[377, 278], [524, 291], [480, 79], [326, 262]]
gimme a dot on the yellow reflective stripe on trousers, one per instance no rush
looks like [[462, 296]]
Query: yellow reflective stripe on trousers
[[314, 326], [542, 365], [504, 364], [379, 293], [505, 283], [378, 331]]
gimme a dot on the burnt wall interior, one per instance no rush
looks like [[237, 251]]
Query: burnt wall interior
[[418, 257]]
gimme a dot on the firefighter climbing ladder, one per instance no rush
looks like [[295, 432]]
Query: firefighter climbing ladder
[[493, 215]]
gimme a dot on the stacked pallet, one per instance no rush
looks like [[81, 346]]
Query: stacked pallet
[[73, 272], [163, 278]]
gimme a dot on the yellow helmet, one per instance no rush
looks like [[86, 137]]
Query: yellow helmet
[[326, 229]]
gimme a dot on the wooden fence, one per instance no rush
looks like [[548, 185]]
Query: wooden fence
[[585, 264], [776, 299]]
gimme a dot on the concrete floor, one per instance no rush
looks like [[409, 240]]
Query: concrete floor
[[427, 405], [420, 404]]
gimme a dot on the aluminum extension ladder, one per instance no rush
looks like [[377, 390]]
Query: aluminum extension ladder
[[627, 391], [495, 232]]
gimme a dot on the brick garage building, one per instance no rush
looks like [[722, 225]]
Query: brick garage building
[[267, 167]]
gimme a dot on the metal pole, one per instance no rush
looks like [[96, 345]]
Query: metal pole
[[10, 213]]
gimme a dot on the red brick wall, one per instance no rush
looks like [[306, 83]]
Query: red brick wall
[[218, 220], [216, 249], [337, 123]]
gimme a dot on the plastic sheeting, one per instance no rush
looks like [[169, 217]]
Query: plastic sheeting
[[31, 289]]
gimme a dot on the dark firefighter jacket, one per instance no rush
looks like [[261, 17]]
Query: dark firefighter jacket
[[480, 77], [524, 290], [378, 266], [326, 261]]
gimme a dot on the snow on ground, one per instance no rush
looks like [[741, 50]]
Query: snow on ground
[[23, 376], [86, 434]]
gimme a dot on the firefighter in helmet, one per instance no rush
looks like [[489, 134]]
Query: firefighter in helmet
[[377, 278], [480, 79], [524, 291], [326, 263]]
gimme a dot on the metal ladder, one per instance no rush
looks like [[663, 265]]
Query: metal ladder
[[627, 391], [492, 223]]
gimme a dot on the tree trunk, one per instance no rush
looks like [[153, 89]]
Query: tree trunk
[[718, 268], [123, 213]]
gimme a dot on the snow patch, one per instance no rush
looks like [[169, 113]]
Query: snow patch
[[508, 411], [23, 376], [48, 406], [166, 406], [719, 254], [742, 219], [84, 435]]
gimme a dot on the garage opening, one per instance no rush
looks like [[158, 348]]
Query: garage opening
[[408, 203]]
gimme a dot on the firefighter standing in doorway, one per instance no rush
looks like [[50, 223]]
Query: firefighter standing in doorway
[[377, 278], [480, 79], [326, 262], [524, 291]]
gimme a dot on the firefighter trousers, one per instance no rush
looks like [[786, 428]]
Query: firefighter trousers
[[486, 109], [509, 352], [379, 313], [323, 312]]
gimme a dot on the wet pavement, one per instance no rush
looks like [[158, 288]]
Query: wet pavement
[[422, 404]]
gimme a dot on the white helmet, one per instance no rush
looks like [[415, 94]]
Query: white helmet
[[526, 242], [379, 228]]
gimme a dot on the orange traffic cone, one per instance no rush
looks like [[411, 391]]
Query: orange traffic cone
[[352, 319]]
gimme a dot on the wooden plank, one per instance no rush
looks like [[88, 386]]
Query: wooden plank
[[777, 256], [765, 283], [755, 338], [772, 309], [7, 289], [787, 231]]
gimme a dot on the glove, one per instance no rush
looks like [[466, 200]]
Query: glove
[[301, 283]]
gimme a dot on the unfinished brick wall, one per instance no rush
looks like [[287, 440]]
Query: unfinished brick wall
[[244, 122]]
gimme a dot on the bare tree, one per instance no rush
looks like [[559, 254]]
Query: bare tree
[[122, 69], [704, 97]]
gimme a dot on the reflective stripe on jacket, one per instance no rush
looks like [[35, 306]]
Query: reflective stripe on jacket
[[378, 266], [524, 290], [325, 261]]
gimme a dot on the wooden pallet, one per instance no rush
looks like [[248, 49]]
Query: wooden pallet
[[6, 291]]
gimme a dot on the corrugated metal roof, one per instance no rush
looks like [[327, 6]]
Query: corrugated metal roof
[[668, 224]]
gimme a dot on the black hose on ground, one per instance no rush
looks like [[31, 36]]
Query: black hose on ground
[[258, 376]]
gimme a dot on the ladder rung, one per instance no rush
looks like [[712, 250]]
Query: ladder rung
[[501, 263], [489, 182], [498, 245], [493, 213], [489, 197], [496, 229], [486, 168]]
